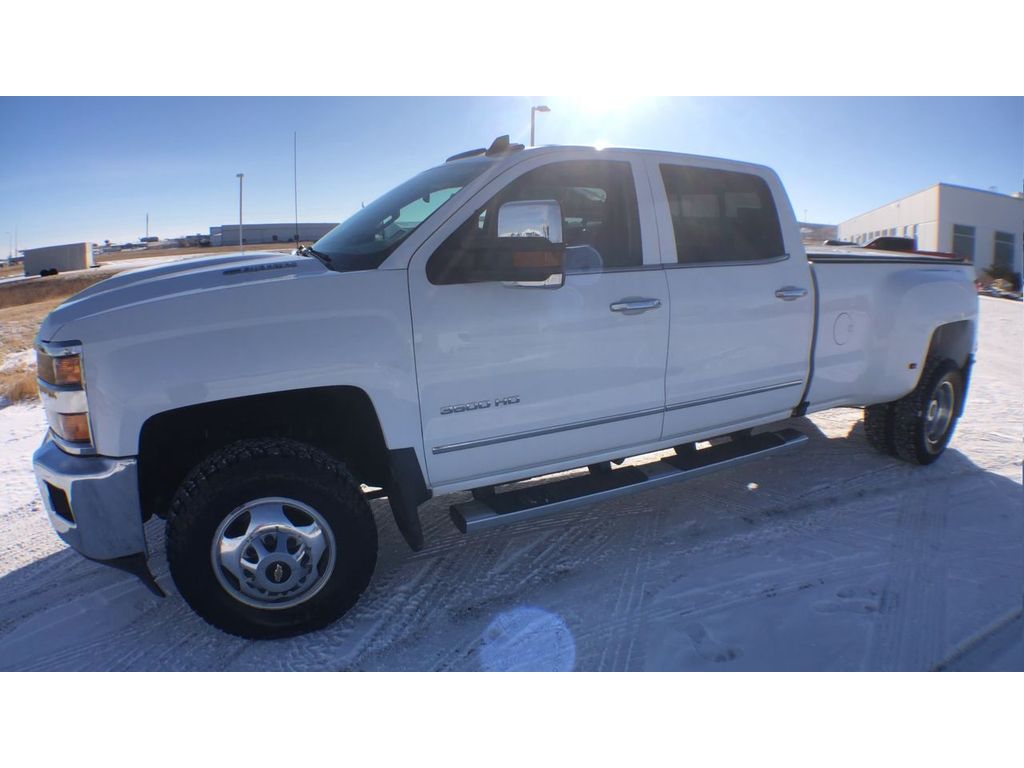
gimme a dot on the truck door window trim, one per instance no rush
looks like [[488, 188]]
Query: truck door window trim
[[704, 264], [672, 265], [483, 442]]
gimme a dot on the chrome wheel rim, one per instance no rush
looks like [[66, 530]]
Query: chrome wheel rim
[[273, 553], [938, 414]]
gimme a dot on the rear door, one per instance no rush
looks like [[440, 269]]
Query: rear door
[[512, 379], [741, 297]]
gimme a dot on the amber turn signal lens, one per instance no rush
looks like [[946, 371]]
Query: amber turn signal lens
[[68, 370], [63, 371], [73, 427]]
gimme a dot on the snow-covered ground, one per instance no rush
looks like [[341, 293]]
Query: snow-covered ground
[[830, 557]]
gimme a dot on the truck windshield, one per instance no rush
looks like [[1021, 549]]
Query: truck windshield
[[369, 236]]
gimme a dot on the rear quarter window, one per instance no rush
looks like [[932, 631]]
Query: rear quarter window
[[721, 216]]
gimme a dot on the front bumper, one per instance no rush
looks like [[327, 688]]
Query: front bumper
[[92, 502]]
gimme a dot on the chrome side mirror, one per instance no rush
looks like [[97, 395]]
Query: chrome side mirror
[[531, 218], [534, 219]]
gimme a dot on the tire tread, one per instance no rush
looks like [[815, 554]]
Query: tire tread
[[186, 510], [908, 429]]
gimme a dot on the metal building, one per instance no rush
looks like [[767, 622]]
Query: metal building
[[63, 258], [227, 234], [986, 226]]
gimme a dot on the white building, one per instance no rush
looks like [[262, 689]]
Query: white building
[[987, 226], [227, 234]]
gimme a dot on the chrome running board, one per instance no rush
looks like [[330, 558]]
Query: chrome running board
[[519, 504]]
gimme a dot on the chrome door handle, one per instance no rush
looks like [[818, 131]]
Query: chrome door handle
[[790, 293], [635, 306]]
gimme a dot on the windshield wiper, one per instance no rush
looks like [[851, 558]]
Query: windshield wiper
[[312, 252]]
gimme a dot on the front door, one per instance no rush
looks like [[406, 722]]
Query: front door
[[513, 379]]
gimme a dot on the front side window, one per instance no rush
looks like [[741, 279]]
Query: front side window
[[370, 235], [963, 241], [600, 218], [1002, 255], [721, 216]]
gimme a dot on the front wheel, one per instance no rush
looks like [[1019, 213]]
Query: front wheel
[[270, 538]]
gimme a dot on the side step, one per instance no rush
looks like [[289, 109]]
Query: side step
[[521, 504]]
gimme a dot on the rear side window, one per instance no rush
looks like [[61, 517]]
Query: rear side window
[[721, 216]]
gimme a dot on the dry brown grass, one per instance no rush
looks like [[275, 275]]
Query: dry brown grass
[[19, 325], [36, 289], [19, 386], [18, 329]]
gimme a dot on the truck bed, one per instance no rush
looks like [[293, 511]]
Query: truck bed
[[874, 325], [840, 254]]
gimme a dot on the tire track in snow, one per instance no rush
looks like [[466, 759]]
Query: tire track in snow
[[908, 633]]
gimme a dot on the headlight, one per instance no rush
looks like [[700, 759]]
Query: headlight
[[62, 390]]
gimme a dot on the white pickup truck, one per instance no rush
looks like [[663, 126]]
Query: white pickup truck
[[506, 315]]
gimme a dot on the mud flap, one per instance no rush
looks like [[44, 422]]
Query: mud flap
[[966, 371], [406, 492], [137, 566]]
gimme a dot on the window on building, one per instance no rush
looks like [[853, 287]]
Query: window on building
[[915, 237], [963, 241], [1002, 254], [721, 216]]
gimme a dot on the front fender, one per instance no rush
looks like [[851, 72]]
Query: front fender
[[321, 329]]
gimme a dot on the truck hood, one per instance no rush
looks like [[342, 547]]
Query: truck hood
[[163, 282]]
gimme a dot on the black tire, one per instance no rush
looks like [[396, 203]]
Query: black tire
[[910, 414], [879, 427], [257, 469]]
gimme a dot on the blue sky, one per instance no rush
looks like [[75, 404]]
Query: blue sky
[[75, 169]]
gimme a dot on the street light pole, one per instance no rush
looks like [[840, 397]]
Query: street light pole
[[533, 120], [241, 240]]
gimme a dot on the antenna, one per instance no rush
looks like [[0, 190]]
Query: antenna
[[295, 178]]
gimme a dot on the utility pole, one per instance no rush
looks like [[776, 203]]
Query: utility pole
[[241, 240], [147, 226], [295, 178]]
